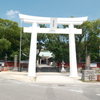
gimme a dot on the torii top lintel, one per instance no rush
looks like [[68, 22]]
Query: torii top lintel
[[46, 20]]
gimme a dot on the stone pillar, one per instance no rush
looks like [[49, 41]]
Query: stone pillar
[[72, 52], [15, 63], [46, 60], [32, 57], [87, 65], [37, 63], [87, 74], [40, 61]]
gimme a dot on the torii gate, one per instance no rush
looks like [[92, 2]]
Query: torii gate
[[34, 20]]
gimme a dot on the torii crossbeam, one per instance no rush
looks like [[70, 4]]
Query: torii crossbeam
[[53, 29]]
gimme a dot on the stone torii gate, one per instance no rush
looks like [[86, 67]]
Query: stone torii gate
[[34, 20]]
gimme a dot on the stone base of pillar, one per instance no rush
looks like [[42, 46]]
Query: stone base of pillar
[[89, 75]]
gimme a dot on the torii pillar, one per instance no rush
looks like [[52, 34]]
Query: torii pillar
[[32, 57], [72, 52], [53, 30]]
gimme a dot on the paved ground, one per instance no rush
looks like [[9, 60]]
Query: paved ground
[[48, 86], [42, 77], [17, 90]]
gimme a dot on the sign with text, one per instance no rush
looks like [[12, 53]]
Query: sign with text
[[53, 24], [93, 64]]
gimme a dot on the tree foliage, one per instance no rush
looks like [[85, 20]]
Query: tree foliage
[[4, 44], [41, 38], [88, 41], [9, 37], [58, 45]]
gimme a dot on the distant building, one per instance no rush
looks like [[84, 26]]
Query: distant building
[[45, 55]]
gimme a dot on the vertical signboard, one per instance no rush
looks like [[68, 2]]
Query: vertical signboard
[[53, 24]]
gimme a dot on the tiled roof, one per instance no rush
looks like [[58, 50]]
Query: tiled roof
[[45, 54]]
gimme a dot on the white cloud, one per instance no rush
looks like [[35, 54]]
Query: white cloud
[[12, 13]]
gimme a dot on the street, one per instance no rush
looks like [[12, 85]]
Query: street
[[16, 90]]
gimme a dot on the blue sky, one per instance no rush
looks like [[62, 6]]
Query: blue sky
[[9, 9]]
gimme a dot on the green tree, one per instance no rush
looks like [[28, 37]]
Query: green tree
[[41, 38], [9, 32], [87, 42], [25, 45], [58, 45], [4, 44]]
